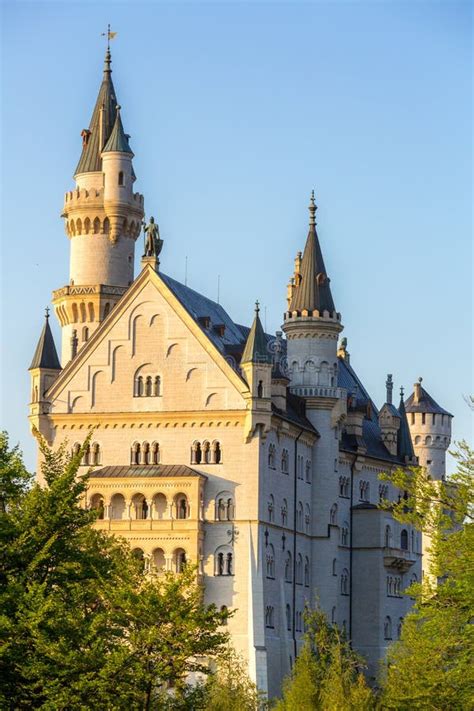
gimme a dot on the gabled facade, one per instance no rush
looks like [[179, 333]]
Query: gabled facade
[[254, 456]]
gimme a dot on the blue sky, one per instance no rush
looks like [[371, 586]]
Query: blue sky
[[236, 111]]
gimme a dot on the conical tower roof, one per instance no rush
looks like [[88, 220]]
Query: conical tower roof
[[256, 350], [118, 139], [404, 444], [101, 124], [313, 291], [45, 354]]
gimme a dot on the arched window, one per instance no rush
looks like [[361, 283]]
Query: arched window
[[399, 627], [271, 508], [288, 617], [388, 537], [206, 453], [404, 540], [307, 519], [284, 512], [160, 506], [117, 507], [271, 456], [387, 628], [334, 566], [288, 568], [220, 563], [181, 506], [345, 534], [157, 386], [148, 386], [155, 453], [85, 334], [96, 226], [270, 560], [97, 503], [179, 557], [299, 569], [120, 178], [223, 561], [260, 388], [196, 453], [333, 515], [306, 571], [87, 456], [284, 461], [76, 449], [106, 309], [139, 507], [345, 582], [308, 471], [139, 386], [299, 516], [136, 453], [221, 513], [230, 509], [158, 560], [229, 564], [216, 453], [96, 453], [269, 616]]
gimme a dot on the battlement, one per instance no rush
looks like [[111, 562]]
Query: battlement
[[74, 197]]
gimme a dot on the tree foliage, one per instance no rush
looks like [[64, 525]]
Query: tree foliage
[[431, 666], [327, 674], [80, 626]]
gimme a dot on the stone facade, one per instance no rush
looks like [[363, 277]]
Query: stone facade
[[262, 469]]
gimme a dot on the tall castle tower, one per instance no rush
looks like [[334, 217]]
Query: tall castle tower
[[312, 326], [103, 219], [430, 428]]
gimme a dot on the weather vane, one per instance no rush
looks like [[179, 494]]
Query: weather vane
[[110, 35]]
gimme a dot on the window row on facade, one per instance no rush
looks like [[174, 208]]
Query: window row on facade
[[91, 456], [428, 418], [303, 469], [270, 618], [206, 452], [303, 514], [301, 568], [387, 628], [138, 507], [403, 542], [147, 386]]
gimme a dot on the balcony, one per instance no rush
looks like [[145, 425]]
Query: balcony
[[318, 391], [398, 559]]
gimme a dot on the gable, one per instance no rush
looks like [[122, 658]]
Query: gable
[[148, 355]]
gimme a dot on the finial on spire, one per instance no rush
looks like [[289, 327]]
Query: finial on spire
[[402, 391], [312, 210], [108, 59], [420, 380], [257, 307], [46, 313]]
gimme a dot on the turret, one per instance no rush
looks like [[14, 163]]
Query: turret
[[44, 370], [256, 368], [430, 427], [389, 420], [103, 219], [312, 324]]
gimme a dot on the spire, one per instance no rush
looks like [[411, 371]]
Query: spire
[[118, 140], [103, 118], [256, 350], [45, 354], [389, 386], [312, 291], [404, 444]]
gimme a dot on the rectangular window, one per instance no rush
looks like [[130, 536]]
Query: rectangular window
[[434, 419], [412, 418], [423, 418]]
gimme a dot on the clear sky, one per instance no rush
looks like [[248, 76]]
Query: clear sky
[[236, 111]]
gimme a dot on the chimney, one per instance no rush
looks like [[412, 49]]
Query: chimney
[[389, 385], [417, 389]]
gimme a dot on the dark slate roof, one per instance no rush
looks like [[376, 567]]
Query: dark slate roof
[[256, 346], [150, 471], [371, 434], [295, 412], [45, 354], [314, 291], [425, 404], [392, 409], [118, 140], [404, 443], [90, 160]]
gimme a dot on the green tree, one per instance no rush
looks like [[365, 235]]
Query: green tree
[[431, 666], [80, 626], [327, 674], [229, 687]]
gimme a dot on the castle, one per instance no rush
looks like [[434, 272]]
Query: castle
[[254, 456]]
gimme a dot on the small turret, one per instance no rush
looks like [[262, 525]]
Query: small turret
[[256, 367], [389, 420], [44, 369], [430, 427]]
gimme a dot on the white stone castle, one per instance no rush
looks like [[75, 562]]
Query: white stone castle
[[253, 456]]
